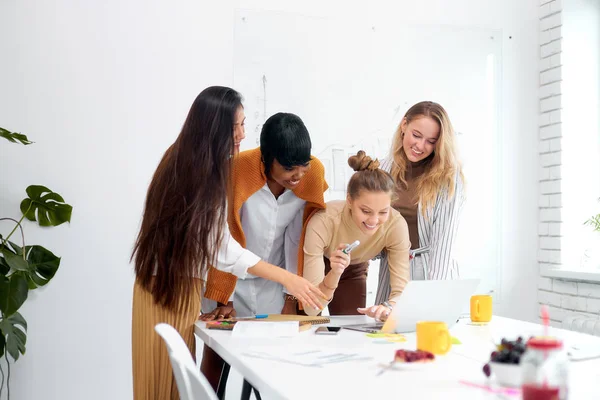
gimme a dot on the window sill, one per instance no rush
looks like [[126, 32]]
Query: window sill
[[572, 274]]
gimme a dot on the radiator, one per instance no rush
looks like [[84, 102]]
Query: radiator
[[583, 324]]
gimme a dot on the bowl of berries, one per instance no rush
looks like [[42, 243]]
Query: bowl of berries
[[505, 362], [409, 359]]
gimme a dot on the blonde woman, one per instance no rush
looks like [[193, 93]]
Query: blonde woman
[[429, 192]]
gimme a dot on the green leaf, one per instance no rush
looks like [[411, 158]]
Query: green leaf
[[2, 344], [51, 207], [18, 250], [43, 265], [14, 327], [594, 222], [14, 261], [14, 137], [4, 267], [13, 293]]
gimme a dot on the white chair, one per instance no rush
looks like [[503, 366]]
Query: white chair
[[191, 383]]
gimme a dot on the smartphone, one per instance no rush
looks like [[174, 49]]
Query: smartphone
[[327, 330]]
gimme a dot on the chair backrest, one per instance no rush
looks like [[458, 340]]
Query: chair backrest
[[583, 324], [191, 383]]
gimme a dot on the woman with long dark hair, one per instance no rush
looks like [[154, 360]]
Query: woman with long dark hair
[[184, 239]]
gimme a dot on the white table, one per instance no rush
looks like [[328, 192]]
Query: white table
[[359, 379]]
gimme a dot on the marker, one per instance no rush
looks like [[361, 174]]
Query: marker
[[258, 316], [351, 247]]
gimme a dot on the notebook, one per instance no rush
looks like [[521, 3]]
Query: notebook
[[304, 321]]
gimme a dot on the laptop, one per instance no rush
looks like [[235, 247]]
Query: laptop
[[426, 301]]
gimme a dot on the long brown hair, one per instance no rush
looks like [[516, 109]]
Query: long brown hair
[[185, 208], [368, 176], [441, 169]]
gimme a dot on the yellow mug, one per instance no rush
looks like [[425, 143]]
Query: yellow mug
[[434, 337], [481, 308]]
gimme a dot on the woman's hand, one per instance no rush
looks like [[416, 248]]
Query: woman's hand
[[380, 312], [339, 260], [304, 291], [221, 312]]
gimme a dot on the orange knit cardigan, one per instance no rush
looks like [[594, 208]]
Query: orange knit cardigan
[[248, 177]]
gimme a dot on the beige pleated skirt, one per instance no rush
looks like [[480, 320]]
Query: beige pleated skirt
[[152, 373]]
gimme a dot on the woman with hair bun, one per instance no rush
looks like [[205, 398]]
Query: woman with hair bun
[[367, 216]]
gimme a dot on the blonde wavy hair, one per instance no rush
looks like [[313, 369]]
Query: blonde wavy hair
[[441, 171]]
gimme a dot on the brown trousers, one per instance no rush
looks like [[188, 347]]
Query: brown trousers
[[351, 292]]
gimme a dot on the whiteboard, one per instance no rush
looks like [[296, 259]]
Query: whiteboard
[[351, 82]]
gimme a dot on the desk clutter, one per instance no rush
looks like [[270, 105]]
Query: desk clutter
[[502, 357], [304, 321]]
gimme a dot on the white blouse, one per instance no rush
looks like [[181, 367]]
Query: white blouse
[[233, 258]]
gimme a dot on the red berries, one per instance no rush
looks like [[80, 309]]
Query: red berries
[[413, 356]]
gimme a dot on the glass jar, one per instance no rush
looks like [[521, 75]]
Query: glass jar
[[545, 370]]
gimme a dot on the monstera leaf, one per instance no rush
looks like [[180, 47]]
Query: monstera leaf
[[13, 257], [50, 207], [13, 293], [14, 137], [4, 268], [40, 266], [43, 264], [13, 260], [13, 288], [13, 328]]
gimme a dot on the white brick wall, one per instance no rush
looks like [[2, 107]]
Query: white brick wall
[[562, 297], [565, 298]]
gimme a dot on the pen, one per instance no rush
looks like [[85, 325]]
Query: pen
[[257, 316]]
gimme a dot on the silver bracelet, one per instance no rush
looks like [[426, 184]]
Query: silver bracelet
[[387, 304]]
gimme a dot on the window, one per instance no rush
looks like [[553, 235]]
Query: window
[[580, 142]]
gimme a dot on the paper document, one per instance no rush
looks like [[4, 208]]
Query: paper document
[[308, 357], [264, 329]]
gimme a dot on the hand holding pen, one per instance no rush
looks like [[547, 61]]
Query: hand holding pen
[[340, 259]]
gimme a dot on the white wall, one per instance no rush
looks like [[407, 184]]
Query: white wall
[[103, 88]]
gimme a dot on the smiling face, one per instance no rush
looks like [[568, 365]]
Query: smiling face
[[239, 129], [420, 138], [287, 177], [370, 210]]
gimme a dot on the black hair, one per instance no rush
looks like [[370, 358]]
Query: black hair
[[284, 138]]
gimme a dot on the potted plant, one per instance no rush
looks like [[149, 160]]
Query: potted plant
[[594, 222], [24, 267], [591, 256]]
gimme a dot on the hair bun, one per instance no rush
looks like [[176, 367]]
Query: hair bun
[[362, 162]]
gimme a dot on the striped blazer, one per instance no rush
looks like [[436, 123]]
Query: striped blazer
[[437, 231]]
